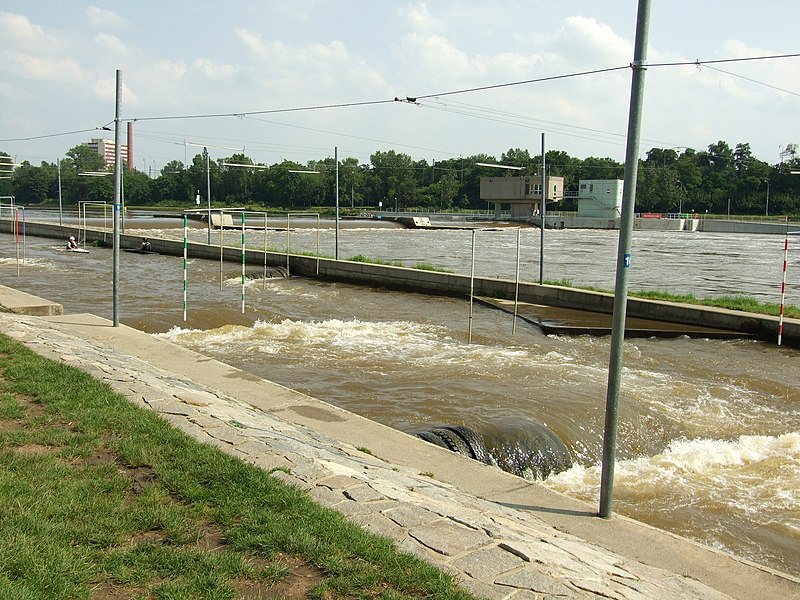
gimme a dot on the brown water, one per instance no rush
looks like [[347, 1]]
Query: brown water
[[709, 441]]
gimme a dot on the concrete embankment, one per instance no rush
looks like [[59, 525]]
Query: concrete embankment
[[450, 284], [501, 537]]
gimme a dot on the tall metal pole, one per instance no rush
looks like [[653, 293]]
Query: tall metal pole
[[117, 199], [60, 214], [208, 194], [624, 257], [543, 212], [336, 158]]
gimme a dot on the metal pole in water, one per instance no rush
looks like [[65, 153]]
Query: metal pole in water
[[208, 194], [336, 158], [317, 243], [23, 233], [185, 245], [221, 251], [264, 282], [516, 287], [624, 258], [243, 253], [117, 197], [544, 218], [783, 283], [471, 285], [16, 233], [60, 215], [287, 244]]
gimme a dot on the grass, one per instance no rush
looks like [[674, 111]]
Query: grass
[[742, 303], [102, 499], [397, 263]]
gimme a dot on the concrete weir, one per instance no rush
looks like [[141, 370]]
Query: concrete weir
[[499, 536]]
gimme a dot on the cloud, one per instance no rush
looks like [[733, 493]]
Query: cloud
[[420, 19], [110, 43], [286, 68], [28, 66], [585, 41], [215, 71], [105, 88], [18, 32], [101, 18]]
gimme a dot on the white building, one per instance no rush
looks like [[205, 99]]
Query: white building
[[600, 198], [105, 148]]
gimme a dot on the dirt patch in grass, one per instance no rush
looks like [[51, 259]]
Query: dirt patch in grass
[[298, 584], [298, 577]]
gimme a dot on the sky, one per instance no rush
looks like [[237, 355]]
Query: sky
[[231, 75]]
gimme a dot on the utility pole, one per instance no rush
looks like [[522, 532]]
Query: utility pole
[[117, 200], [624, 257], [208, 193]]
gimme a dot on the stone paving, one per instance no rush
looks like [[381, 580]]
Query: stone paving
[[493, 551]]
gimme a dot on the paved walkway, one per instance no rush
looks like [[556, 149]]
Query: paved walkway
[[555, 548]]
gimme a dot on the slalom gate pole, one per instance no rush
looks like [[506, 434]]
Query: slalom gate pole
[[783, 286], [264, 281], [783, 282], [221, 231], [243, 253], [23, 233], [185, 246], [516, 288], [16, 233], [287, 244], [471, 285]]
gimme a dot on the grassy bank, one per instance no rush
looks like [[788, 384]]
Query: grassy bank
[[100, 499], [742, 303]]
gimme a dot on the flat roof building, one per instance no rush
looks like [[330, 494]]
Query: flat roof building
[[522, 194], [105, 148]]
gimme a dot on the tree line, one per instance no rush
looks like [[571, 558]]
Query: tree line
[[718, 180]]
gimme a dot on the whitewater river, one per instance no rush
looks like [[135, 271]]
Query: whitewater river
[[709, 440]]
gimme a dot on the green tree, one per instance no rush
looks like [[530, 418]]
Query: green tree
[[137, 187], [392, 179], [517, 157], [82, 159], [29, 184]]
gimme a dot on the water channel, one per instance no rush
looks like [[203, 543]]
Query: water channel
[[709, 441]]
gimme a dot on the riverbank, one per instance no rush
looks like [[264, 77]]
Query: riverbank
[[501, 536]]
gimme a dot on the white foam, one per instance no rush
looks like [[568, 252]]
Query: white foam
[[749, 474], [395, 341]]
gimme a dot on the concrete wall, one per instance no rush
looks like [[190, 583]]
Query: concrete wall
[[724, 226], [450, 284]]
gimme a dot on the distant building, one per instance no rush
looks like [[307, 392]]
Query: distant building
[[523, 195], [105, 148], [600, 198]]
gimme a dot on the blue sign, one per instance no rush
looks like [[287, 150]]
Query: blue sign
[[627, 260]]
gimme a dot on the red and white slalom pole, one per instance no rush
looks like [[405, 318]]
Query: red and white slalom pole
[[783, 283]]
